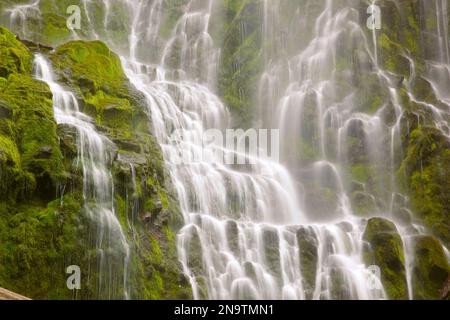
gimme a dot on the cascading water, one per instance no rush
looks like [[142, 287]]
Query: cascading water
[[94, 155], [228, 213], [241, 238], [247, 231], [301, 93]]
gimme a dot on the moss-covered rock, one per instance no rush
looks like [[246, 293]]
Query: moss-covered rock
[[425, 172], [29, 146], [14, 56], [431, 268], [91, 65], [271, 247], [143, 199], [386, 251], [307, 243], [195, 252], [38, 242], [42, 232], [34, 126]]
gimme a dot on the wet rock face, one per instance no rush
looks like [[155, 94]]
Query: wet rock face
[[38, 164], [431, 268], [386, 252], [445, 291], [233, 236], [195, 254], [15, 56], [28, 141], [271, 249], [307, 243]]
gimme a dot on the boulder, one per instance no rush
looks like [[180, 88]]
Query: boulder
[[385, 250]]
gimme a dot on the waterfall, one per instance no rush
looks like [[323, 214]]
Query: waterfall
[[242, 229], [270, 230], [94, 156], [215, 199]]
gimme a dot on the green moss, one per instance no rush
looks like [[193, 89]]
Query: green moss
[[154, 270], [30, 145], [195, 253], [14, 56], [271, 250], [111, 112], [425, 172], [386, 251], [91, 65], [13, 180], [361, 173], [54, 30], [40, 235], [363, 204], [307, 243], [34, 126], [38, 243], [431, 268], [241, 57]]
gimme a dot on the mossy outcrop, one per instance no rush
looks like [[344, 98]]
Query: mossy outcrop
[[39, 233], [409, 30], [431, 268], [42, 225], [29, 146], [15, 57], [143, 202], [425, 172], [271, 246], [386, 252], [308, 254]]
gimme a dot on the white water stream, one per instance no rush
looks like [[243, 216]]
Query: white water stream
[[94, 155]]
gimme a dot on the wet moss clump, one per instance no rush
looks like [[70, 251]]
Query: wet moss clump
[[29, 146], [92, 65], [40, 230], [144, 204], [431, 268], [14, 56], [307, 243], [38, 242], [271, 247], [425, 173], [43, 227], [386, 252]]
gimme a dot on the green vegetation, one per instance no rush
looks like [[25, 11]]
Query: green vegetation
[[15, 57], [42, 232], [307, 244], [386, 251], [425, 173], [431, 269], [241, 57]]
